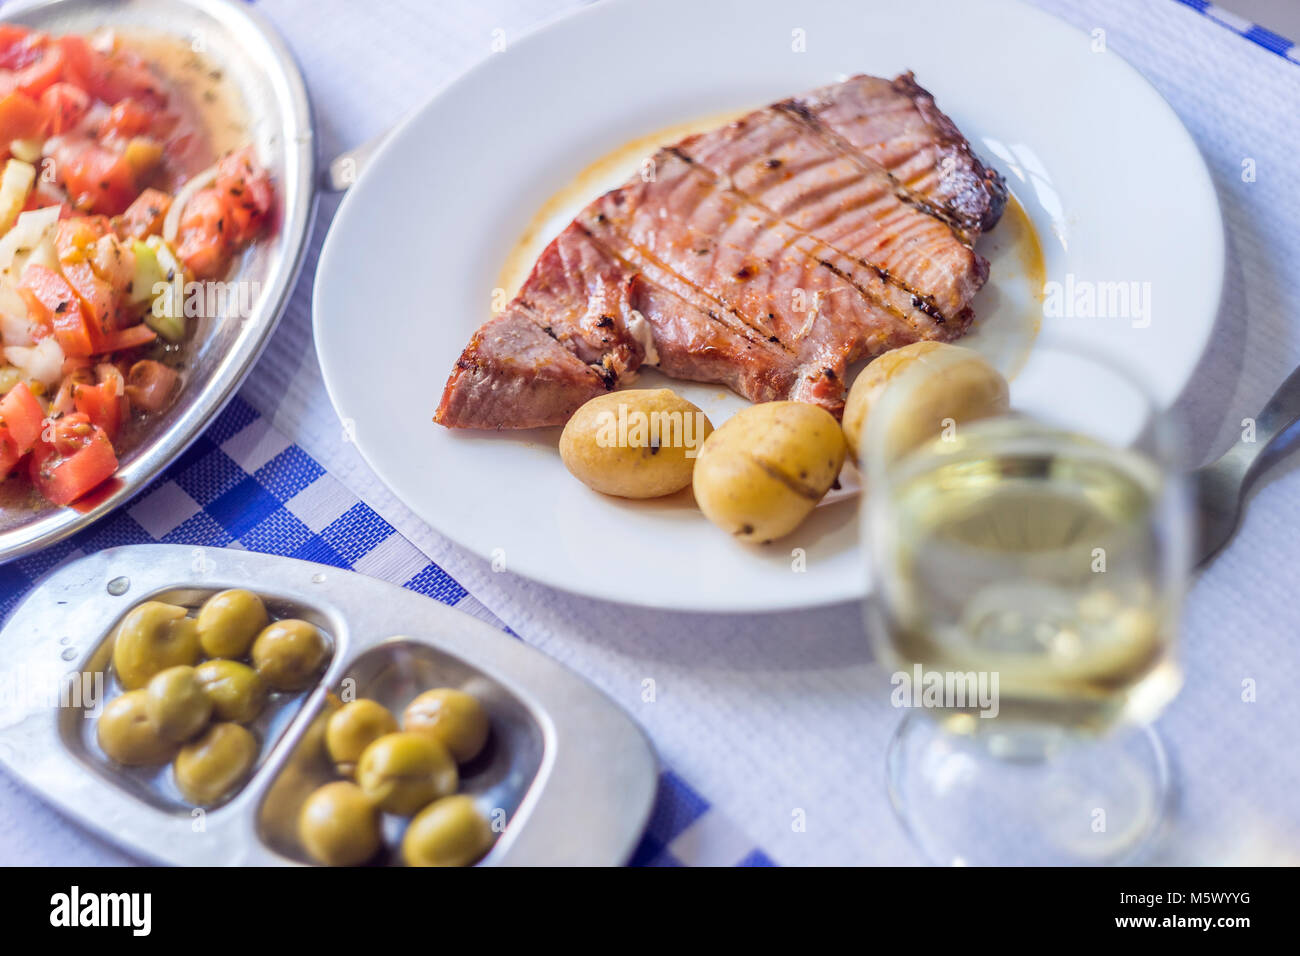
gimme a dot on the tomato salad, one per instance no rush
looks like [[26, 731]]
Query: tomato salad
[[101, 199]]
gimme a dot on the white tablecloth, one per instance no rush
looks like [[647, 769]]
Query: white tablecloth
[[766, 715]]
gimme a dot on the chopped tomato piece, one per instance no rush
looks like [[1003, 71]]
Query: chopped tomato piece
[[66, 316], [78, 457], [102, 404], [96, 295], [129, 118], [145, 216], [218, 220], [21, 117], [76, 59], [128, 338], [38, 316], [75, 243], [32, 62], [203, 246], [20, 47], [97, 179], [77, 369], [20, 425], [20, 417], [12, 39], [246, 189], [117, 76], [8, 458], [64, 104], [42, 195], [79, 234]]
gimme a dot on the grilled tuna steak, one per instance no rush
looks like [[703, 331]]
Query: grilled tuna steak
[[767, 255]]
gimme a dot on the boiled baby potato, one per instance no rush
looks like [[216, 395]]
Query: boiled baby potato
[[151, 638], [448, 832], [765, 469], [288, 653], [127, 734], [928, 383], [354, 727], [236, 692], [214, 764], [452, 717], [339, 825], [177, 704], [228, 622], [639, 443], [402, 772]]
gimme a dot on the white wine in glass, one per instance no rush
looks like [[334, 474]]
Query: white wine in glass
[[1041, 561]]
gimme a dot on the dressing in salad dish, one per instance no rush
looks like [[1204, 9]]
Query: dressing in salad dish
[[114, 200]]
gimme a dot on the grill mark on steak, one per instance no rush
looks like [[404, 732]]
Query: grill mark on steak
[[639, 259], [802, 114], [733, 152], [920, 301], [796, 247], [814, 255]]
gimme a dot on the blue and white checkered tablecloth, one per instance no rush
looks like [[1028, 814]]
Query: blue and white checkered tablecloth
[[768, 719], [244, 485]]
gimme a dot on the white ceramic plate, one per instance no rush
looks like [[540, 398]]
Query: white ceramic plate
[[1111, 180]]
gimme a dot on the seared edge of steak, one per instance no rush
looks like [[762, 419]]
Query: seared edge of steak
[[976, 194], [514, 375], [898, 124]]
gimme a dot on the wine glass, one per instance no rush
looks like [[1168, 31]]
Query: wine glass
[[1028, 571]]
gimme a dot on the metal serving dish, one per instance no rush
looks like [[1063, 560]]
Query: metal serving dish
[[571, 774], [238, 40]]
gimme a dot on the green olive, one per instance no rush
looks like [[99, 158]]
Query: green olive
[[354, 727], [228, 622], [176, 703], [214, 764], [339, 825], [402, 772], [236, 692], [448, 832], [452, 717], [288, 654], [127, 734], [151, 638]]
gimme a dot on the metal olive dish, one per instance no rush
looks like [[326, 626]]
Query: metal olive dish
[[236, 761]]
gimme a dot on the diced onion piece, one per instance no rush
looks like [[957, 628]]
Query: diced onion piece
[[28, 150], [103, 40], [15, 184], [15, 325], [42, 362], [183, 196], [42, 255], [31, 229]]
